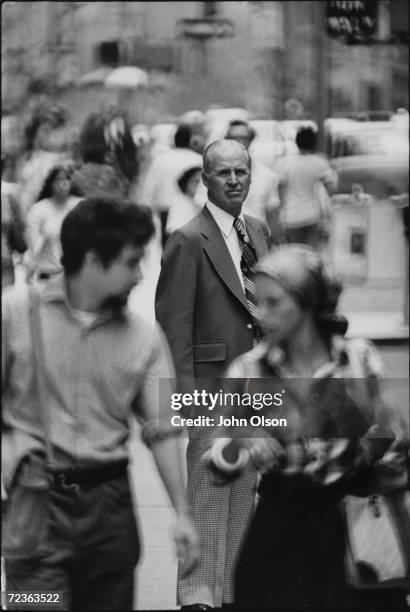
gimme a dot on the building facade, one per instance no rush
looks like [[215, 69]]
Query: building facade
[[256, 55]]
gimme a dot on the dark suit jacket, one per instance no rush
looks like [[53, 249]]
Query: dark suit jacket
[[200, 302]]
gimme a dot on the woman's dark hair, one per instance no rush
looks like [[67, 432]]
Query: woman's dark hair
[[306, 139], [30, 131], [328, 290], [186, 176], [104, 226], [321, 295], [183, 135], [47, 188]]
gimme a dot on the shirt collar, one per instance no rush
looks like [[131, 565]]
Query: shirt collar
[[223, 219], [275, 356], [54, 290]]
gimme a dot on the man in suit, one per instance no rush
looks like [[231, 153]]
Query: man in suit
[[205, 307]]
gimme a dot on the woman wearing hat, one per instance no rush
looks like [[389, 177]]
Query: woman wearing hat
[[293, 555]]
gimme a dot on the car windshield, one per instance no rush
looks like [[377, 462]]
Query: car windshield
[[266, 131]]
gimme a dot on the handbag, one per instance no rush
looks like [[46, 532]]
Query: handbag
[[377, 525], [378, 540], [26, 520]]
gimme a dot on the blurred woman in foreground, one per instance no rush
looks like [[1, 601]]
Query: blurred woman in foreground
[[293, 555]]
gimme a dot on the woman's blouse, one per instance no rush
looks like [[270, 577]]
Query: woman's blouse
[[44, 221], [330, 427]]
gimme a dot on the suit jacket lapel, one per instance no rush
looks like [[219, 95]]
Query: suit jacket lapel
[[218, 253]]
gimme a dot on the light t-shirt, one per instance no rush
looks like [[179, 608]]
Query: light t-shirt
[[303, 177]]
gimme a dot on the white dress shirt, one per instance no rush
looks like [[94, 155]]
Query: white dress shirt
[[225, 223]]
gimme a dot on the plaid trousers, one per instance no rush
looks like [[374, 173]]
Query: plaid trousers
[[222, 515]]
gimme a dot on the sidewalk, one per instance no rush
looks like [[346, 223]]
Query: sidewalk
[[156, 573], [155, 581]]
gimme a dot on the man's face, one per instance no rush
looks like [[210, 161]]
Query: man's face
[[117, 280], [228, 178]]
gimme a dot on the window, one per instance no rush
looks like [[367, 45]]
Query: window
[[108, 53]]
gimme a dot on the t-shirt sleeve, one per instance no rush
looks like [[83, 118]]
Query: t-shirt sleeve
[[327, 174]]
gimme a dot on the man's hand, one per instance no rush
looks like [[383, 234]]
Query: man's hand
[[187, 543]]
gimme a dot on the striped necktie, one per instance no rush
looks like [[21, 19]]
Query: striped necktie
[[248, 264]]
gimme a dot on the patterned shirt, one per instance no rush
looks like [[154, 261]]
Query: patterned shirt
[[96, 374], [331, 431]]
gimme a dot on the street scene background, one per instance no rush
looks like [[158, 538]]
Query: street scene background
[[340, 67]]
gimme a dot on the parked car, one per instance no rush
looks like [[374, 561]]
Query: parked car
[[276, 138], [374, 154]]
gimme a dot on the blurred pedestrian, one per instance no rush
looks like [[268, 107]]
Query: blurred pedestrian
[[293, 554], [262, 200], [103, 365], [359, 196], [96, 176], [44, 221], [182, 211], [196, 121], [121, 151], [13, 227], [205, 304], [11, 143], [47, 129], [160, 189], [47, 144], [306, 180]]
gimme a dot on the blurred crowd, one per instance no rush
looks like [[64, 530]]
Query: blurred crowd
[[49, 163], [244, 296]]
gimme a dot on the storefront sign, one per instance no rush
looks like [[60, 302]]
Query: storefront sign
[[351, 18]]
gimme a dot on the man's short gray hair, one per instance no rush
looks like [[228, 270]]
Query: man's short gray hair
[[216, 146]]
